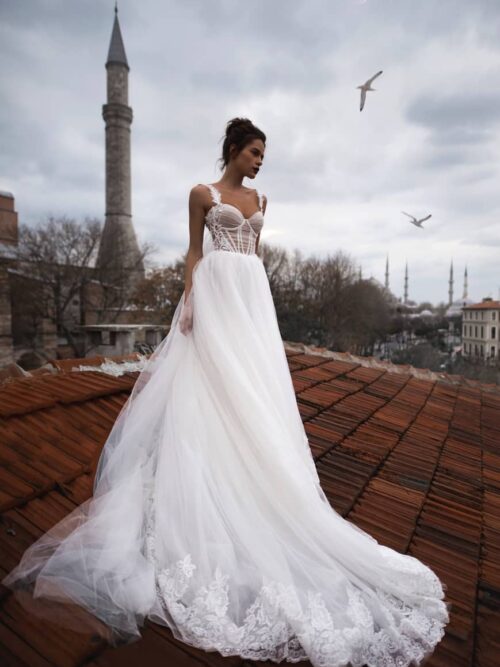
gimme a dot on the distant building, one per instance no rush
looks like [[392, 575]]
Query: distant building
[[8, 242], [480, 330]]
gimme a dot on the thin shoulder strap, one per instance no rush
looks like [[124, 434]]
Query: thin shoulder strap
[[216, 196]]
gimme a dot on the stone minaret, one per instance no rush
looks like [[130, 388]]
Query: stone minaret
[[405, 299], [387, 272], [466, 285], [450, 285], [119, 255]]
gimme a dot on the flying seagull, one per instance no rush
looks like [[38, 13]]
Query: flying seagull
[[367, 86], [416, 222]]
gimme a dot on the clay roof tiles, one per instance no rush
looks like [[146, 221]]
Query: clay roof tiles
[[411, 456], [489, 304]]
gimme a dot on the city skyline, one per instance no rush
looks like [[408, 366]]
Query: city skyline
[[336, 179]]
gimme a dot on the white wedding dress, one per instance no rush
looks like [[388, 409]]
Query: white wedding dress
[[208, 515]]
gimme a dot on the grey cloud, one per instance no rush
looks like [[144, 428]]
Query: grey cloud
[[470, 113], [455, 156]]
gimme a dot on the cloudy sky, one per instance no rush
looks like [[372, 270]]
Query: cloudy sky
[[428, 141]]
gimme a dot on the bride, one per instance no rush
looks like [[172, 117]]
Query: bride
[[208, 516]]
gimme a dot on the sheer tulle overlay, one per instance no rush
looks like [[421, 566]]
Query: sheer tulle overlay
[[208, 515]]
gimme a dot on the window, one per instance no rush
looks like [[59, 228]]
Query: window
[[482, 332], [493, 315], [482, 350], [493, 332], [95, 337], [475, 331], [492, 350]]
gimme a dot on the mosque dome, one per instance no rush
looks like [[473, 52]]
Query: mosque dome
[[455, 310]]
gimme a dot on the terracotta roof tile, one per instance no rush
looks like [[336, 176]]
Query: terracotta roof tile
[[483, 305], [411, 456]]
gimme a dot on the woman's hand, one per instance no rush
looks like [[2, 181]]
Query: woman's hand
[[186, 316]]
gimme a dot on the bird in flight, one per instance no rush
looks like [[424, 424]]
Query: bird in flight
[[416, 222], [365, 87]]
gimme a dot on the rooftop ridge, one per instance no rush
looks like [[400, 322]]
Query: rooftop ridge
[[389, 366]]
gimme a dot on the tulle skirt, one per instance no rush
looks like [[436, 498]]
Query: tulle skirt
[[208, 515]]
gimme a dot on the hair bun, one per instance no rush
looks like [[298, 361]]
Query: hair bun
[[237, 123]]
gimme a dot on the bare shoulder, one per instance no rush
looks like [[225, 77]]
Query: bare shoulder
[[198, 192]]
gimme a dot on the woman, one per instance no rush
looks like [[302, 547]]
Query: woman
[[208, 515]]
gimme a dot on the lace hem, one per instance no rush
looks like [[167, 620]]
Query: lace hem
[[269, 629], [111, 367]]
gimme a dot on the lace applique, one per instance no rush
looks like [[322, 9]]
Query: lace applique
[[220, 240], [111, 367], [232, 237], [267, 633]]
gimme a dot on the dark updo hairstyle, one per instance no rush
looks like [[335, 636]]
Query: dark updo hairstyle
[[239, 131]]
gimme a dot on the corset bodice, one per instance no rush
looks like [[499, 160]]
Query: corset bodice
[[230, 230]]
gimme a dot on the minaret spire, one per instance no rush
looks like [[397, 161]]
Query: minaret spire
[[450, 285], [405, 300], [466, 286], [387, 272], [116, 52]]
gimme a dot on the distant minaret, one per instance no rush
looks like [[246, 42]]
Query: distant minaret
[[119, 254], [450, 285], [360, 273], [466, 286], [405, 300], [387, 272]]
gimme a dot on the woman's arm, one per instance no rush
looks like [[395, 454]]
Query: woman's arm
[[197, 203], [194, 253], [264, 204]]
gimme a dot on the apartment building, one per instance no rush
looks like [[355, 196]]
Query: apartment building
[[480, 330]]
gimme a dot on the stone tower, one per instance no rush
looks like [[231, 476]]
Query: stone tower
[[405, 298], [450, 285], [119, 256]]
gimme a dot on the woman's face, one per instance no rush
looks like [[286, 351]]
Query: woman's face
[[249, 159]]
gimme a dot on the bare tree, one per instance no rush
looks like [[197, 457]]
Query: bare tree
[[114, 289], [323, 301], [161, 290], [56, 276], [366, 319]]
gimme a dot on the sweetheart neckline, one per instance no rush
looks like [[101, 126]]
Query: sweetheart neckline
[[236, 209]]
